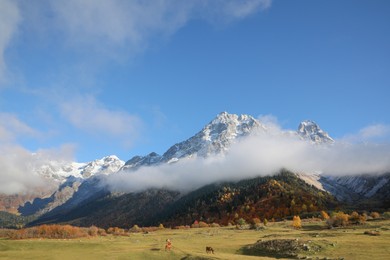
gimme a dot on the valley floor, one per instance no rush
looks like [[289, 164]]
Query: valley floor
[[228, 243]]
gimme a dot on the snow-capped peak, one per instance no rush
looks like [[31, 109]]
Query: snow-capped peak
[[61, 170], [216, 137], [310, 130], [106, 165], [228, 126]]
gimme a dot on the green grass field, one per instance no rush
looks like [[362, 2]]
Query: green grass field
[[228, 243]]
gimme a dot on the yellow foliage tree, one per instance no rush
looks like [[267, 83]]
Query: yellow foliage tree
[[296, 223], [324, 215]]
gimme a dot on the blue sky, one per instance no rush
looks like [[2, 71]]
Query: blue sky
[[132, 77]]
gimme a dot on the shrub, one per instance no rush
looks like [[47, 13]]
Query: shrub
[[386, 215], [354, 218], [102, 232], [241, 222], [375, 215], [195, 224], [49, 231], [256, 221], [214, 225], [93, 231], [324, 215], [338, 219], [135, 229], [181, 227], [296, 223], [363, 218], [116, 231], [203, 224]]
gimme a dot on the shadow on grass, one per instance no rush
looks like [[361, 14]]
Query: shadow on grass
[[247, 250], [192, 257], [314, 227]]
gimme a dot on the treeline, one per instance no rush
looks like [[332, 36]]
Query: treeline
[[8, 220], [70, 232], [341, 219], [334, 219]]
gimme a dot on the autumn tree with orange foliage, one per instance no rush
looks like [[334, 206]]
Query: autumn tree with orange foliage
[[338, 219], [296, 223], [324, 215]]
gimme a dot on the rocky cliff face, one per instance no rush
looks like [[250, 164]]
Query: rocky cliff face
[[309, 130]]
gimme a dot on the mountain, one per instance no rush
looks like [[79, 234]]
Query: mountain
[[309, 130], [364, 191], [77, 192], [216, 137]]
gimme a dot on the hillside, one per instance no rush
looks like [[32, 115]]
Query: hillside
[[268, 197]]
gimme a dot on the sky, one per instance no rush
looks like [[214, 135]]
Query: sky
[[87, 79]]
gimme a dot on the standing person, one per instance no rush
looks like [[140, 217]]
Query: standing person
[[168, 245]]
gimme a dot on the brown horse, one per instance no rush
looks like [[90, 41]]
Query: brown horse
[[209, 250]]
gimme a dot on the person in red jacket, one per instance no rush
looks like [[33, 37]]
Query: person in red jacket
[[168, 245]]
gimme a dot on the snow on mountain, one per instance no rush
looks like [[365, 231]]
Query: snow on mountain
[[106, 166], [216, 137], [68, 177], [59, 171], [309, 130]]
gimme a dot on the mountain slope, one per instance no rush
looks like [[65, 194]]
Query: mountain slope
[[266, 197], [365, 191]]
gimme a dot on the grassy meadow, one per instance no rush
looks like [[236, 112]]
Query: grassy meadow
[[228, 243]]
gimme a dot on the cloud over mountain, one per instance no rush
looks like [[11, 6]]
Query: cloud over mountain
[[264, 153]]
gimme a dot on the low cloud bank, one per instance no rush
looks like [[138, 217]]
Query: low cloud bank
[[18, 167], [259, 155], [18, 164]]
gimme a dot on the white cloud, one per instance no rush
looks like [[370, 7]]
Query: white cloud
[[370, 133], [9, 20], [87, 114], [17, 164], [240, 9], [259, 155], [96, 30], [130, 25], [18, 167], [374, 131], [11, 127]]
